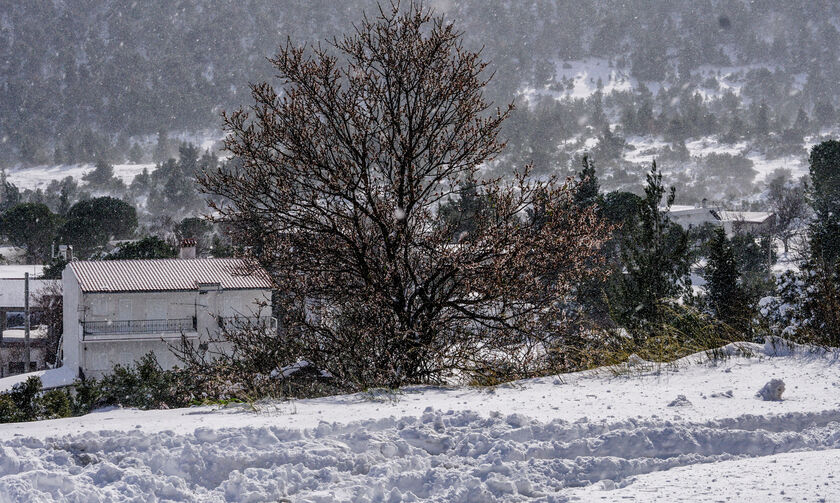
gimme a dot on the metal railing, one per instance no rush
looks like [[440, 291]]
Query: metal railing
[[138, 326], [244, 322]]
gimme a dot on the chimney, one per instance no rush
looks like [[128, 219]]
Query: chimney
[[187, 249], [65, 252]]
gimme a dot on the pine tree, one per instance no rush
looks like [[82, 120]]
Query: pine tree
[[761, 127], [820, 307], [597, 109], [825, 199], [101, 176], [803, 122], [654, 253], [135, 154], [725, 294], [587, 189], [162, 148]]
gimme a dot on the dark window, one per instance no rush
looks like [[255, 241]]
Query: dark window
[[18, 367]]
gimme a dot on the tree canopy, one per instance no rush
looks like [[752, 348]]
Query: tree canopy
[[91, 223], [341, 177]]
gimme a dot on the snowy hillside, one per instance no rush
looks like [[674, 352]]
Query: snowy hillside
[[691, 431]]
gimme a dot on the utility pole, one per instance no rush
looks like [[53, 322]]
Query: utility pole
[[26, 320]]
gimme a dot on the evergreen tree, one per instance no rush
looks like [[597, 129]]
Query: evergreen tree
[[654, 254], [162, 148], [135, 154], [825, 200], [819, 310], [91, 223], [761, 126], [596, 106], [31, 226], [725, 294], [587, 189], [9, 194], [802, 123], [102, 175], [644, 117], [150, 247]]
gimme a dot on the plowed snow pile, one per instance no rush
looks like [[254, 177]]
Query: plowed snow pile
[[619, 434]]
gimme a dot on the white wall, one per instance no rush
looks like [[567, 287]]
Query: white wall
[[97, 355], [71, 346]]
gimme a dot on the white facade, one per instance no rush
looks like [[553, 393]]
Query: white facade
[[103, 329], [690, 216], [733, 222]]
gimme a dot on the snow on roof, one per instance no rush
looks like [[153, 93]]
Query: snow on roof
[[168, 274], [50, 378], [756, 217], [18, 271], [684, 209], [12, 290]]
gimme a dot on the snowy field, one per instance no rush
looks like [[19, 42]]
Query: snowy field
[[39, 177], [693, 431]]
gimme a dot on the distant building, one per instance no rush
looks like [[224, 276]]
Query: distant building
[[754, 222], [733, 222], [692, 216], [117, 311], [12, 320]]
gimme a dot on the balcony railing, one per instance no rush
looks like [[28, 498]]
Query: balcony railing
[[233, 323], [128, 327]]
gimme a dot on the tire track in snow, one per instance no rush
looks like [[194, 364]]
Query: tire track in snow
[[439, 456]]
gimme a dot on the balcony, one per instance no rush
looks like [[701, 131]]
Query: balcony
[[236, 323], [136, 329]]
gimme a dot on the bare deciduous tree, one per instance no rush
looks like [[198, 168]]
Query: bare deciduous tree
[[50, 301], [790, 207], [336, 193]]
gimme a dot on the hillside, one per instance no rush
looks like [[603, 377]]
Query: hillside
[[690, 431], [85, 82]]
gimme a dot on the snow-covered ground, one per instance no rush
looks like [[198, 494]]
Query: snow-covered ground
[[39, 177], [691, 431]]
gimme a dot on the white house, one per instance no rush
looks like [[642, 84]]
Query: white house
[[117, 311], [755, 222], [12, 304], [733, 222], [693, 216]]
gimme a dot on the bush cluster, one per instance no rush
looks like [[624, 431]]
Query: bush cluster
[[144, 385]]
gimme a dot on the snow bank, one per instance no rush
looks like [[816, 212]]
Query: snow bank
[[545, 439], [50, 378]]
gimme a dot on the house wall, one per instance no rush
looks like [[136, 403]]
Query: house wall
[[14, 353], [696, 218], [98, 355], [71, 338]]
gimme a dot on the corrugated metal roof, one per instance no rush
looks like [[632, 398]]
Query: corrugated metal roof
[[167, 274]]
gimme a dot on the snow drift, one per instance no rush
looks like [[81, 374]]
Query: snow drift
[[545, 439]]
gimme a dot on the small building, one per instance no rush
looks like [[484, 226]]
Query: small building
[[747, 222], [12, 319], [116, 311], [693, 216], [733, 222]]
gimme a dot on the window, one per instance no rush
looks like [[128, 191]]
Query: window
[[18, 367]]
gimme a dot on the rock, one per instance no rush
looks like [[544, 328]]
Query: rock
[[772, 391], [680, 401]]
